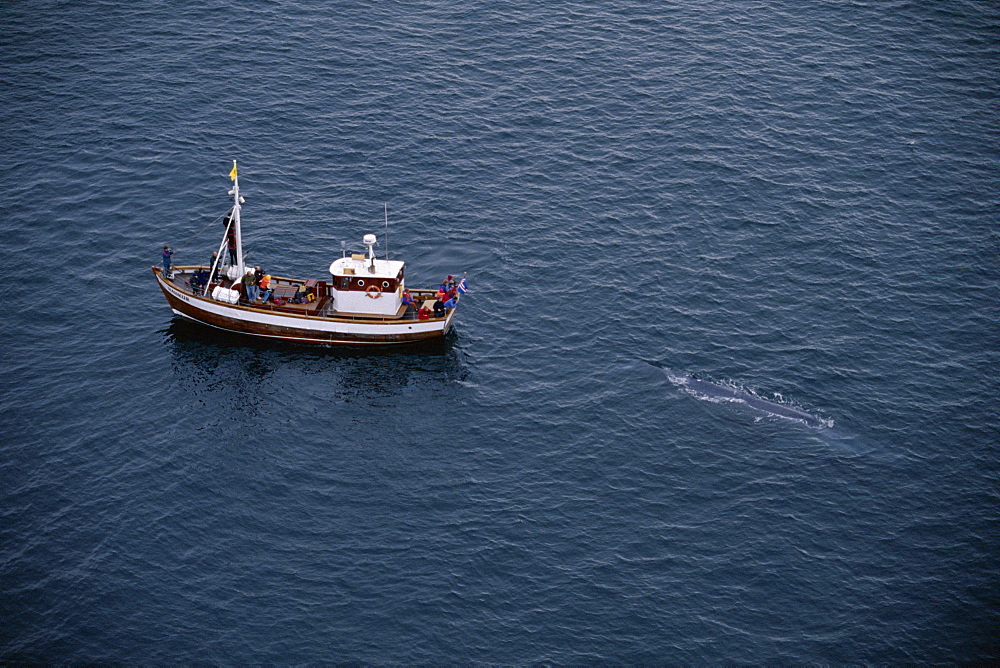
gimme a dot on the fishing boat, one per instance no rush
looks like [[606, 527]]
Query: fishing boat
[[361, 300]]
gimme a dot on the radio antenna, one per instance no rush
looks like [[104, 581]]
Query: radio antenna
[[386, 207]]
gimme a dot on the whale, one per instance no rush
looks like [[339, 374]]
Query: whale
[[823, 430], [726, 393]]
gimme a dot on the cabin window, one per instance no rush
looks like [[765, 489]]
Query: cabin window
[[345, 283], [385, 284]]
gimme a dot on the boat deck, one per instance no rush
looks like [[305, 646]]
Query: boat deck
[[285, 288]]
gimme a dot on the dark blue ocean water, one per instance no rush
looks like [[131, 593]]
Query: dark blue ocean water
[[799, 200]]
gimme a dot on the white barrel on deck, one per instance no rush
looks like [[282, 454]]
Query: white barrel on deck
[[221, 294]]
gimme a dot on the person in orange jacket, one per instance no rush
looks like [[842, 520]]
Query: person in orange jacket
[[265, 288]]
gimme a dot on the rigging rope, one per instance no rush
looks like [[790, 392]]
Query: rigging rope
[[192, 238]]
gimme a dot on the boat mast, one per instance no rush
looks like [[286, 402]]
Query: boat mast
[[237, 200]]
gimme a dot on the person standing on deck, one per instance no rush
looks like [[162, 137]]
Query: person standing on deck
[[250, 286], [166, 258]]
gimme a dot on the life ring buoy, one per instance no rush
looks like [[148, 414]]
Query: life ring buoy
[[373, 291]]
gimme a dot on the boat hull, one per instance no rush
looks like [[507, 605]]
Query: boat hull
[[330, 330]]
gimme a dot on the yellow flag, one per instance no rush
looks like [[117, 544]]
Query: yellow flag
[[232, 174]]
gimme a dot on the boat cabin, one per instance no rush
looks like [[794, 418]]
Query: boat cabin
[[367, 285]]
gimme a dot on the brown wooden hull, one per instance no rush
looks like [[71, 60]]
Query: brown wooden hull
[[331, 330]]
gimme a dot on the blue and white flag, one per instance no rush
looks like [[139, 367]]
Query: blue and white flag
[[463, 287]]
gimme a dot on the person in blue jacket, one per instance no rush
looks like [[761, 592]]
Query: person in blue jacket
[[166, 258]]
